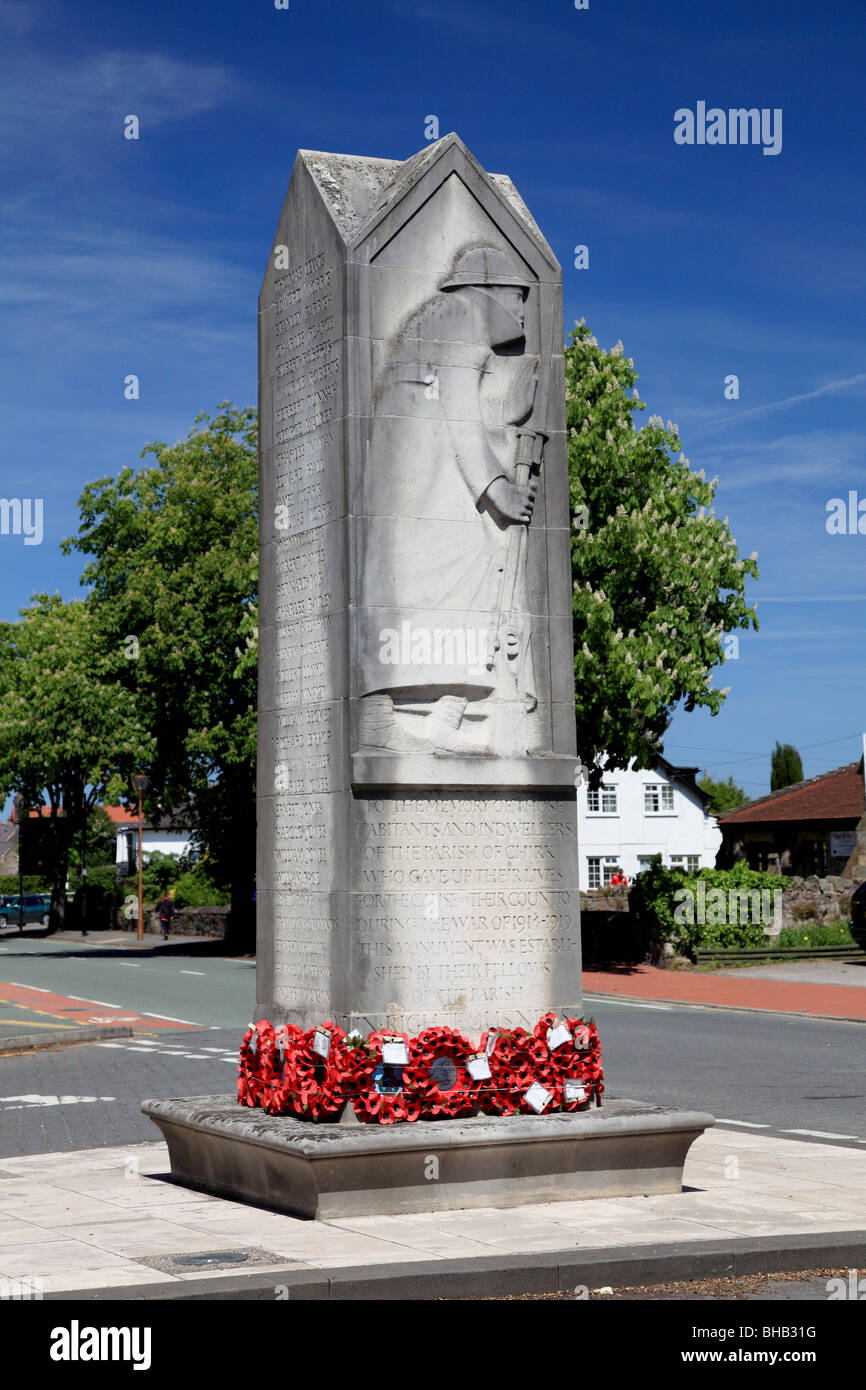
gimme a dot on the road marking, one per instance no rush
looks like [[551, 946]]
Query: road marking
[[192, 972], [745, 1123], [103, 1003], [819, 1134], [32, 1023], [40, 990], [169, 1018], [631, 1003], [51, 1100]]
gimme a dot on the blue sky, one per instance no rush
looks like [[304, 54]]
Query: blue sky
[[146, 256]]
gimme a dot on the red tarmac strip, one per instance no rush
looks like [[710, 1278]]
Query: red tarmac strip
[[80, 1012], [721, 991]]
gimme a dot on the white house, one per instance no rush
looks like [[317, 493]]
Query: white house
[[164, 835], [636, 814]]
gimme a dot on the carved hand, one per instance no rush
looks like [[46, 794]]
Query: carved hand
[[512, 502]]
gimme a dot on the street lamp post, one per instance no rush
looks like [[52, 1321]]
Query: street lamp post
[[139, 782]]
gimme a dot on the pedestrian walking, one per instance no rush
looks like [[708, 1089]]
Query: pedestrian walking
[[166, 912]]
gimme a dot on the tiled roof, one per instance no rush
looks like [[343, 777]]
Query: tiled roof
[[836, 795]]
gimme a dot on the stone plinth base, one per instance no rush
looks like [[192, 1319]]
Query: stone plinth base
[[337, 1170]]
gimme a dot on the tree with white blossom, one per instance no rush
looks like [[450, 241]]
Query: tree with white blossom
[[657, 578]]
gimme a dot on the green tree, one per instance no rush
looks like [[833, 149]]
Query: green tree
[[786, 766], [657, 577], [70, 734], [173, 583], [724, 796]]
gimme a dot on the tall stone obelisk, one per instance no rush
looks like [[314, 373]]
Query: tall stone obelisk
[[416, 816]]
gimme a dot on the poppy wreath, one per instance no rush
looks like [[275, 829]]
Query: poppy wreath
[[516, 1058], [432, 1045], [277, 1070], [578, 1060], [247, 1064], [256, 1070], [317, 1087], [588, 1044], [371, 1105], [281, 1072]]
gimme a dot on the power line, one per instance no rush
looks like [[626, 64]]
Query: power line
[[806, 746]]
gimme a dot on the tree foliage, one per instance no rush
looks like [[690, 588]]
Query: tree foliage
[[657, 577], [786, 766], [724, 796], [70, 733], [173, 583]]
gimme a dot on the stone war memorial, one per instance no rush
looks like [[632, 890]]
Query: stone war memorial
[[417, 824]]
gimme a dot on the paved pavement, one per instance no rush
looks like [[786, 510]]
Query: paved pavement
[[794, 995], [810, 972], [107, 1218]]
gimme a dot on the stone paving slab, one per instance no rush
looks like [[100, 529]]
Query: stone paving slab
[[95, 1219]]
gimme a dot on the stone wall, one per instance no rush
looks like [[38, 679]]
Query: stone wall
[[193, 921], [816, 899], [809, 899]]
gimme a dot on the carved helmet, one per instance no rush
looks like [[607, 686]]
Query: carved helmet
[[485, 267]]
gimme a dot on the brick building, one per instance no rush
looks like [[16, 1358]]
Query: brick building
[[808, 828]]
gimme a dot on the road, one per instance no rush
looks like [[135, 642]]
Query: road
[[182, 984], [796, 1077], [779, 1074]]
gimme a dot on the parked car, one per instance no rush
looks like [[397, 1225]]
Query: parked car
[[857, 924], [35, 909]]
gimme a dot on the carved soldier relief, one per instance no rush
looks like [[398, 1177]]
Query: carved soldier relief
[[449, 488]]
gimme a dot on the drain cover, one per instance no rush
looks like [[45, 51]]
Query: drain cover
[[212, 1257]]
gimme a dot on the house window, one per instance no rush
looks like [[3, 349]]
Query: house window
[[602, 801], [600, 870], [658, 798], [690, 862], [644, 862]]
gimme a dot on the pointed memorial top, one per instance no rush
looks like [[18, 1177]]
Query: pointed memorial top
[[359, 191]]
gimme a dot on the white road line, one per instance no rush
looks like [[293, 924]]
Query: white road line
[[819, 1134], [192, 972], [39, 990], [630, 1003], [103, 1003], [168, 1018], [748, 1124]]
